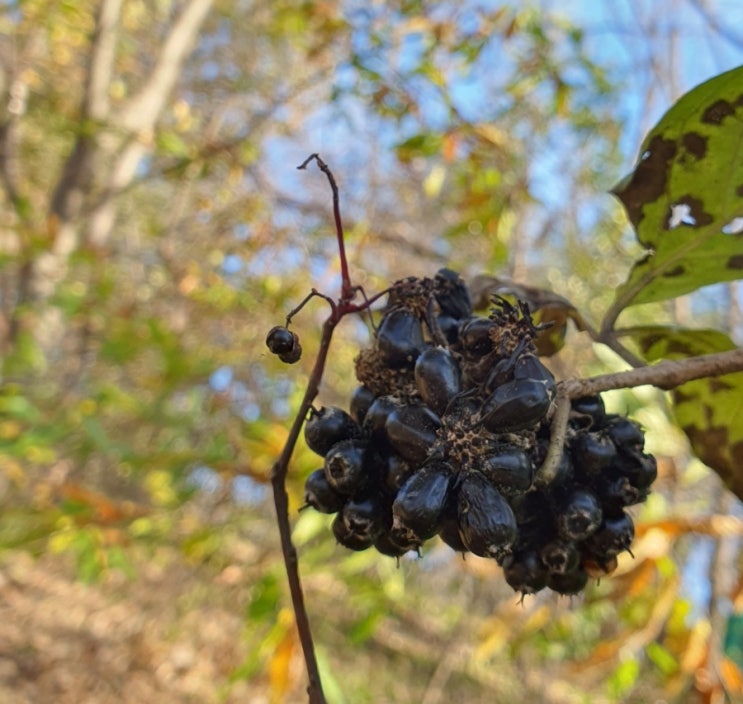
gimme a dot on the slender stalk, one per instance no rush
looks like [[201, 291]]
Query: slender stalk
[[347, 290], [338, 310], [281, 502], [665, 375]]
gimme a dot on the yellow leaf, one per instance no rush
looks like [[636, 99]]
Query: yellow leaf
[[280, 665]]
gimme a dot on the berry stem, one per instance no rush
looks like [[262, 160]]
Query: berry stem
[[281, 502], [347, 289], [338, 309]]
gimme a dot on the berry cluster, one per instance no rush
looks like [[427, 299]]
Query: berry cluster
[[445, 435]]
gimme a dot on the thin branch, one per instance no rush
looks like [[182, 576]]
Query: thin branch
[[281, 502], [547, 473], [665, 375], [346, 287]]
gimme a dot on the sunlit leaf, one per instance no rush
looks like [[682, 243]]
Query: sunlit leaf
[[685, 196], [708, 410]]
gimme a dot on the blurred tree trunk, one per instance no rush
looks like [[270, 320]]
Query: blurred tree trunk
[[108, 148]]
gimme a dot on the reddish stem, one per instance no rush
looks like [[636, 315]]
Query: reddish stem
[[338, 309], [281, 502], [347, 290]]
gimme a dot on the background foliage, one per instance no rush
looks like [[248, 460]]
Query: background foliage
[[153, 228]]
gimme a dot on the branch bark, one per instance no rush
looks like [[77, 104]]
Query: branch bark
[[665, 375]]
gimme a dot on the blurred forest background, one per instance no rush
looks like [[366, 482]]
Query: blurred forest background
[[153, 228]]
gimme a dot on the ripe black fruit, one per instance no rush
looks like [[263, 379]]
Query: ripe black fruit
[[437, 377], [400, 338], [345, 466], [508, 469], [445, 436], [578, 515], [280, 340], [515, 405], [568, 583], [614, 536], [589, 411], [487, 525], [396, 472], [475, 338], [592, 453], [394, 545], [361, 400], [320, 495], [328, 426], [284, 343], [640, 469], [418, 510], [451, 294], [412, 431], [524, 572], [360, 523], [625, 434]]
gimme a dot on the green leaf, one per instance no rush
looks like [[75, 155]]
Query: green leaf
[[662, 658], [685, 196], [708, 410]]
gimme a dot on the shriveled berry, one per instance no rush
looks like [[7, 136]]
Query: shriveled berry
[[487, 525], [345, 466], [578, 515]]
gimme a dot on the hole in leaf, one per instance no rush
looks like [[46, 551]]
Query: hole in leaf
[[734, 227], [681, 215]]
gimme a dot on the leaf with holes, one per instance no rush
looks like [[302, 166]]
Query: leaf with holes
[[708, 410], [685, 196]]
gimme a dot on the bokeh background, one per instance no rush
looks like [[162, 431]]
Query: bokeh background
[[153, 227]]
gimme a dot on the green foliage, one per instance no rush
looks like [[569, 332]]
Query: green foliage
[[707, 410], [111, 413], [685, 196]]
